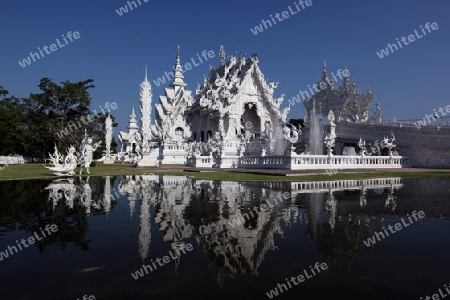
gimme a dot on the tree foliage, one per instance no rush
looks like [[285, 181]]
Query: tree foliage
[[58, 115], [3, 92]]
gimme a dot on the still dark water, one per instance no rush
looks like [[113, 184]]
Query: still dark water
[[192, 235]]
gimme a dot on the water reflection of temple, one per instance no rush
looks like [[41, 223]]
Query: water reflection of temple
[[72, 200], [208, 210], [334, 214]]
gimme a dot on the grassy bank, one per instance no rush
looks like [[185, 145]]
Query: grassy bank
[[36, 171]]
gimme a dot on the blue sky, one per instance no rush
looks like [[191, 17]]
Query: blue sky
[[113, 49]]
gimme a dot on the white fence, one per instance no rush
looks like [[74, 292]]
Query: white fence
[[12, 160], [323, 162], [302, 162]]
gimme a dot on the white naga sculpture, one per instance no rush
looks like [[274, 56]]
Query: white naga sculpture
[[291, 134], [87, 150], [63, 166]]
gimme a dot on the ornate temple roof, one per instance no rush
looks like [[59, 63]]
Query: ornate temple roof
[[226, 82], [345, 100]]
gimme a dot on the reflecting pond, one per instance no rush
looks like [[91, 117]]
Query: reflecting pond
[[173, 237]]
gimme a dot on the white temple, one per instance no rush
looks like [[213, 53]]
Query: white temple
[[234, 121]]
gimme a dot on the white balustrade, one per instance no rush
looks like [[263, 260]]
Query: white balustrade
[[11, 160], [304, 162]]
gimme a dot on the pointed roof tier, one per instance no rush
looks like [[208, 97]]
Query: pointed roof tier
[[178, 73], [171, 107], [133, 121]]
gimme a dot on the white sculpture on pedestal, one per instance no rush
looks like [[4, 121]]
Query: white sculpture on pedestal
[[291, 135], [87, 151], [108, 140], [362, 147], [388, 143], [329, 143]]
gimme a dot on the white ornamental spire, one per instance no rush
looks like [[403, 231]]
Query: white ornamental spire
[[222, 55], [145, 99], [178, 73], [108, 135], [133, 122]]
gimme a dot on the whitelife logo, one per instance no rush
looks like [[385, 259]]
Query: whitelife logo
[[433, 117], [438, 296], [319, 267], [86, 297], [33, 56], [31, 240], [281, 17], [411, 38], [397, 226], [124, 9], [161, 261]]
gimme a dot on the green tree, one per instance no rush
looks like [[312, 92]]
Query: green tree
[[65, 106], [11, 127], [3, 92], [57, 116], [58, 107]]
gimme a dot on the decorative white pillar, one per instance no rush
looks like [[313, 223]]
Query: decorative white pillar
[[108, 139]]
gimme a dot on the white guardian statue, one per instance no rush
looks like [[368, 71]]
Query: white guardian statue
[[87, 150]]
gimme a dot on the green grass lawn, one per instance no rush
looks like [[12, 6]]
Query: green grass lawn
[[37, 171]]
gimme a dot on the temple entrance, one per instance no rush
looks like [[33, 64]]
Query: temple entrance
[[250, 122]]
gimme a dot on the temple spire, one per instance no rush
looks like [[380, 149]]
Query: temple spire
[[346, 78], [178, 73], [222, 55], [325, 77], [133, 121], [145, 101], [324, 72]]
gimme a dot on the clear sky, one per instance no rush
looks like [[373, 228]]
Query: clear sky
[[113, 49]]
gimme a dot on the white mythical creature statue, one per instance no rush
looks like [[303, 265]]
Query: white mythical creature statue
[[377, 114], [63, 166], [375, 149], [291, 134], [87, 150], [362, 147], [388, 143], [329, 142]]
